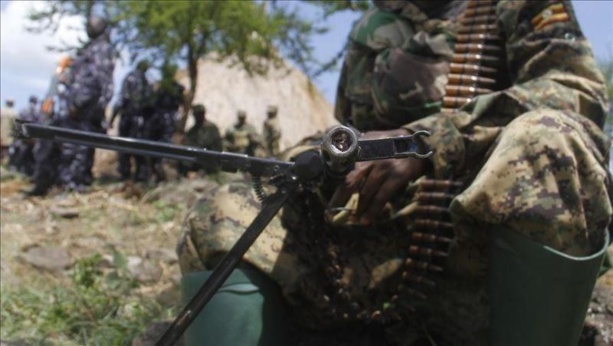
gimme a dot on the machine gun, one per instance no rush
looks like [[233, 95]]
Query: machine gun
[[340, 149]]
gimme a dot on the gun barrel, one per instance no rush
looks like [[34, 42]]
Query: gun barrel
[[229, 162]]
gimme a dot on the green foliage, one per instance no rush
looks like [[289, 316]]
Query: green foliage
[[98, 307], [606, 66], [166, 212], [333, 6]]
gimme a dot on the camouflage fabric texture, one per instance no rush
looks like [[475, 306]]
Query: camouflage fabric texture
[[242, 139], [272, 136], [205, 135], [531, 156]]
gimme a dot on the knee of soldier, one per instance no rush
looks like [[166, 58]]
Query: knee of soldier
[[214, 224], [545, 130]]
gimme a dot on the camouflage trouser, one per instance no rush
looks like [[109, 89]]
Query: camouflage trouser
[[545, 177]]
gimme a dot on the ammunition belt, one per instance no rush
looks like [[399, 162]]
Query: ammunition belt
[[475, 69], [478, 58]]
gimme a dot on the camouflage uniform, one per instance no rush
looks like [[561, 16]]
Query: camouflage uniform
[[89, 90], [532, 157], [136, 93], [7, 119], [242, 137], [204, 134], [272, 132]]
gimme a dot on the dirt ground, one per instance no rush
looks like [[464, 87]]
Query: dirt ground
[[143, 224], [43, 238]]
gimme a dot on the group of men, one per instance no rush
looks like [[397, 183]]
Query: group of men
[[79, 93], [20, 152], [241, 137], [147, 112]]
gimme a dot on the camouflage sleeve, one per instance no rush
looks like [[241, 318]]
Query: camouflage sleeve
[[551, 65], [103, 59]]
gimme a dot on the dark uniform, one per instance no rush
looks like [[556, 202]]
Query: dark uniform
[[136, 94], [22, 150], [161, 123], [89, 88]]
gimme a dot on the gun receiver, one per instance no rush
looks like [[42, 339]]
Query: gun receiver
[[340, 149]]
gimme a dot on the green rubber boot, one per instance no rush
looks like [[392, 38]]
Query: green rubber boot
[[248, 310], [539, 295]]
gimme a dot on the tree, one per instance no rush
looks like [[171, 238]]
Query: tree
[[249, 32]]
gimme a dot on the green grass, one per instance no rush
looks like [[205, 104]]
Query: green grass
[[97, 307]]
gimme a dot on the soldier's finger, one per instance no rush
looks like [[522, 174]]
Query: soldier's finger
[[368, 191], [356, 177], [383, 195]]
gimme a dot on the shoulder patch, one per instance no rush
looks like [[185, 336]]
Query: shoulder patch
[[555, 13]]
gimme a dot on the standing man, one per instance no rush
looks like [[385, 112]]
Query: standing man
[[8, 114], [161, 125], [272, 132], [241, 137], [204, 134], [136, 94], [22, 149], [89, 88]]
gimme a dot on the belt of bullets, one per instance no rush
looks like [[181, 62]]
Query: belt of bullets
[[474, 70], [477, 58]]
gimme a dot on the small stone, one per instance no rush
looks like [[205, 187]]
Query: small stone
[[67, 213], [48, 258], [143, 271], [165, 255]]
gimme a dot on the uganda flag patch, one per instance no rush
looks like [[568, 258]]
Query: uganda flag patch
[[555, 13]]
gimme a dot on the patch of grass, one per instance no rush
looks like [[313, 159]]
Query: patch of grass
[[166, 212], [98, 306]]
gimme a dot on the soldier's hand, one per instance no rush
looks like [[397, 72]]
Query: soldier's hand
[[377, 182]]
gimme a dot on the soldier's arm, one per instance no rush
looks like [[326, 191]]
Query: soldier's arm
[[551, 65]]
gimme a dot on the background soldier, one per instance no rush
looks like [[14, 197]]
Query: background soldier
[[161, 125], [204, 134], [242, 137], [272, 132], [136, 93], [89, 88], [515, 105], [22, 149], [51, 104], [8, 114]]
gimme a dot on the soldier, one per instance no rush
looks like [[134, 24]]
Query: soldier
[[516, 192], [161, 125], [22, 156], [136, 94], [7, 119], [51, 104], [272, 132], [204, 134], [241, 137], [89, 88]]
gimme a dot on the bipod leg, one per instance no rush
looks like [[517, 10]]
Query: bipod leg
[[270, 206]]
